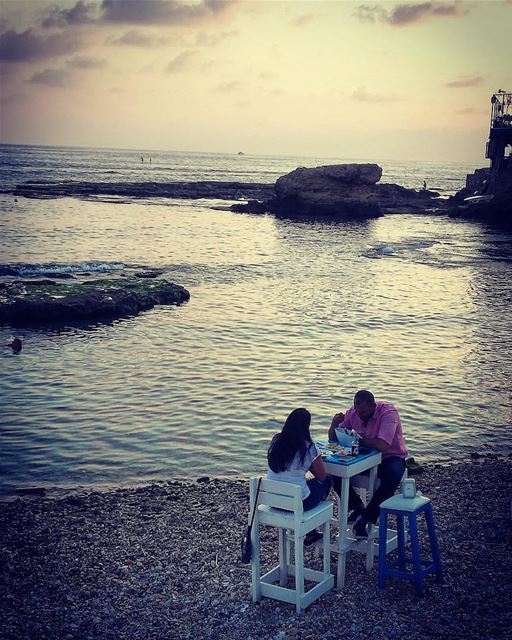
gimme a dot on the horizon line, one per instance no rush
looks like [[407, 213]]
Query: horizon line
[[363, 160]]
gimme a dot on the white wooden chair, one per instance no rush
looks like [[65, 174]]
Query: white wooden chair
[[280, 506]]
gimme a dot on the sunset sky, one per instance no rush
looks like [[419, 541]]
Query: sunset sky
[[368, 80]]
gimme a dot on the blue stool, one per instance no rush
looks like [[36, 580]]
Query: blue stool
[[408, 507]]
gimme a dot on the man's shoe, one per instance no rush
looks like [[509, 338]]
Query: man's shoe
[[354, 515], [312, 537], [359, 529]]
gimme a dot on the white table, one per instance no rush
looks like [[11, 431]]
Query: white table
[[345, 468]]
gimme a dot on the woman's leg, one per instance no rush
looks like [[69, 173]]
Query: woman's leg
[[318, 491]]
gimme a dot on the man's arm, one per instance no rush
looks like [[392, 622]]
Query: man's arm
[[335, 422], [375, 443], [387, 430]]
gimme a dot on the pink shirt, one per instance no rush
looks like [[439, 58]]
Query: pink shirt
[[384, 424]]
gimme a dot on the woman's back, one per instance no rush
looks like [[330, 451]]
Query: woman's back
[[291, 454], [295, 471]]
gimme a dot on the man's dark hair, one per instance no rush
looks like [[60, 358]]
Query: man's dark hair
[[364, 397]]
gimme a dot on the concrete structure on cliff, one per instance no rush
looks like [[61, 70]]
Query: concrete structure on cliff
[[488, 192], [499, 145]]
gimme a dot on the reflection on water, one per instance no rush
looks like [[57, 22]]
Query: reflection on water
[[282, 314]]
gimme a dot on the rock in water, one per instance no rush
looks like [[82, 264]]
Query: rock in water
[[31, 491], [343, 190], [26, 303], [495, 203], [414, 467]]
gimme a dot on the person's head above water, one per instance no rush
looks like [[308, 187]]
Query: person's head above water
[[16, 345], [294, 438], [364, 404]]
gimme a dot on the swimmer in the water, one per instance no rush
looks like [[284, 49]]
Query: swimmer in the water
[[16, 345]]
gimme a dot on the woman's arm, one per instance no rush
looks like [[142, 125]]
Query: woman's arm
[[317, 468]]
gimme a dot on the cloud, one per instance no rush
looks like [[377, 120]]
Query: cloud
[[80, 13], [465, 81], [182, 62], [213, 39], [267, 75], [13, 99], [162, 11], [86, 62], [5, 71], [143, 12], [303, 20], [28, 45], [410, 13], [52, 77], [229, 87], [371, 13], [362, 95], [138, 39]]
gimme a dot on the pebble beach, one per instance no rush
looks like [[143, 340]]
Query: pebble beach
[[161, 561]]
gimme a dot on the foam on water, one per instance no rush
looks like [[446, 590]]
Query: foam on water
[[53, 269]]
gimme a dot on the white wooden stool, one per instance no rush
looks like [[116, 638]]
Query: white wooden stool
[[280, 506]]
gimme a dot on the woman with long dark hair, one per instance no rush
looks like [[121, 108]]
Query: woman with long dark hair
[[291, 455]]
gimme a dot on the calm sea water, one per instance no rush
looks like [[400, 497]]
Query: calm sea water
[[283, 313]]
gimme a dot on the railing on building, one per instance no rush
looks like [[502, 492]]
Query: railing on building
[[501, 110], [500, 130]]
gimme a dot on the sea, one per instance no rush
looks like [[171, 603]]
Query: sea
[[283, 313]]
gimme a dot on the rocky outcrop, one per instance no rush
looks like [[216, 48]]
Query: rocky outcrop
[[342, 190], [331, 179], [496, 210], [474, 202], [185, 190], [478, 181], [394, 198], [30, 302]]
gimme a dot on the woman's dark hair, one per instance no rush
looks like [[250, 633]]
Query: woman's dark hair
[[294, 438]]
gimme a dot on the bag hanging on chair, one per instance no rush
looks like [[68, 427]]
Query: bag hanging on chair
[[246, 546]]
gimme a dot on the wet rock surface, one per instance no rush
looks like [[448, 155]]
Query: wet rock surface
[[343, 190], [162, 561], [186, 190], [479, 200], [27, 302]]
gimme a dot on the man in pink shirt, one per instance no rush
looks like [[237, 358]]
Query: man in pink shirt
[[378, 424]]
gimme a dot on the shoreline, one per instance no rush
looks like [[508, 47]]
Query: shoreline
[[49, 491], [148, 561], [59, 492]]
